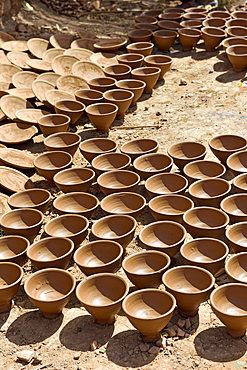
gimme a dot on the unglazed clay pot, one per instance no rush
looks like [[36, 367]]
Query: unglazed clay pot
[[236, 31], [237, 163], [53, 123], [143, 48], [174, 10], [102, 296], [163, 236], [139, 35], [99, 256], [124, 203], [208, 253], [72, 108], [202, 169], [193, 15], [236, 236], [65, 141], [212, 37], [145, 269], [171, 16], [89, 96], [229, 303], [31, 198], [223, 146], [102, 115], [51, 252], [191, 23], [135, 86], [149, 75], [239, 14], [189, 37], [240, 183], [10, 280], [110, 161], [236, 22], [118, 71], [170, 207], [161, 61], [205, 222], [118, 181], [152, 164], [73, 227], [146, 26], [219, 14], [119, 97], [132, 60], [164, 39], [231, 41], [102, 84], [79, 203], [90, 148], [50, 163], [145, 19], [119, 228], [214, 22], [138, 147], [50, 290], [152, 12], [237, 55], [186, 151], [194, 9], [74, 179], [168, 25], [149, 311], [24, 222], [13, 249], [166, 183], [236, 268], [236, 207]]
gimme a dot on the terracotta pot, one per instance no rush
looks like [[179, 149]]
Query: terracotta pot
[[163, 236], [65, 141], [239, 14], [236, 22], [118, 181], [149, 311], [89, 96], [223, 146], [10, 277], [139, 35], [132, 60], [118, 71], [237, 162], [207, 253], [202, 169], [135, 86], [72, 108], [124, 203], [145, 19], [143, 48], [168, 25], [237, 55], [79, 203], [152, 164], [174, 10], [236, 236], [214, 22], [50, 163], [194, 9], [146, 26], [102, 296], [161, 61], [99, 256], [240, 183], [191, 23], [212, 37], [193, 15], [236, 207], [121, 98], [171, 16], [189, 37], [152, 12], [74, 179], [166, 183], [102, 115], [110, 161], [138, 147], [50, 290], [53, 123], [31, 198], [186, 151], [231, 41], [164, 39], [190, 285], [90, 148], [13, 249], [51, 252], [149, 75], [102, 84], [236, 268], [236, 31], [219, 14]]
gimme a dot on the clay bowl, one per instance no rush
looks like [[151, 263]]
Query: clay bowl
[[89, 96], [149, 75], [161, 61], [190, 285], [146, 26], [13, 249], [186, 151], [163, 236], [145, 19], [138, 147], [71, 108], [99, 256], [123, 203], [50, 290], [149, 311], [235, 206], [236, 31], [194, 9], [240, 183], [72, 226], [229, 304], [102, 84], [209, 192], [119, 97], [174, 10], [50, 163], [152, 12], [236, 268], [23, 222], [237, 55], [145, 269], [151, 164], [135, 86], [132, 60], [191, 23], [53, 252], [168, 25], [10, 276], [202, 169], [118, 181], [205, 222], [231, 41], [164, 39], [237, 162], [207, 253], [61, 41], [139, 35], [74, 179], [236, 22], [110, 161], [212, 37], [143, 48], [118, 71], [53, 123], [189, 37], [119, 228], [31, 198], [102, 296], [214, 22], [223, 146], [171, 16], [166, 183], [236, 236], [239, 14], [65, 141], [79, 203], [197, 16], [170, 207], [90, 148], [219, 14]]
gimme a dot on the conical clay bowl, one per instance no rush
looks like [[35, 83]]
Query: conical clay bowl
[[10, 280], [202, 169], [71, 108], [31, 198], [133, 60], [237, 163], [110, 161], [102, 115], [64, 141], [184, 152], [152, 164], [237, 55], [118, 181], [138, 147], [223, 146], [212, 37], [149, 75], [50, 163], [13, 249], [124, 203], [84, 204], [236, 268], [74, 179], [236, 236], [235, 206], [240, 183], [135, 86], [121, 98], [90, 148], [166, 183], [53, 123], [189, 37]]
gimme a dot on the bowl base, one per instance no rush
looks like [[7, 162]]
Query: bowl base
[[51, 316], [109, 321], [236, 333], [188, 313], [6, 308], [146, 338]]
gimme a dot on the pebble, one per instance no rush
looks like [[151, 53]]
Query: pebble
[[171, 331], [154, 350], [144, 347], [183, 82], [181, 323], [93, 345], [25, 355], [187, 324], [77, 356], [180, 332], [161, 342]]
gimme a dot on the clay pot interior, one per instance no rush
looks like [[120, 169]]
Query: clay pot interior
[[168, 25], [237, 162], [145, 19], [236, 22], [236, 207], [31, 198], [240, 183], [237, 55], [191, 23], [133, 60], [102, 115], [236, 268], [74, 179], [121, 98], [219, 14], [126, 203], [138, 147], [10, 277], [209, 192], [13, 249], [102, 84], [195, 15], [53, 123], [72, 108], [65, 141], [149, 75], [164, 39], [119, 71], [89, 96], [161, 61], [90, 148], [49, 163], [189, 37], [236, 31], [135, 86], [166, 183], [185, 152], [230, 41], [80, 203], [110, 161], [237, 237], [118, 181], [214, 22], [143, 48], [139, 35], [151, 164], [223, 146], [202, 169], [212, 37]]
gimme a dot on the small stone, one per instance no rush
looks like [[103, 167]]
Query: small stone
[[77, 356], [20, 27], [180, 332], [187, 323], [146, 108], [93, 345], [181, 323], [192, 332], [161, 342], [158, 114], [154, 350], [130, 352], [186, 335], [171, 331], [37, 358], [144, 347], [190, 95], [183, 82], [25, 355]]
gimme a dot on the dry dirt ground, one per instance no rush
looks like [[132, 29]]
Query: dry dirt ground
[[210, 103]]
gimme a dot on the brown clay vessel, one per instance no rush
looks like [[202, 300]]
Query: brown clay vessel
[[13, 249], [123, 203], [10, 279], [74, 179], [110, 161], [214, 22], [240, 183], [118, 71], [236, 207], [168, 25], [231, 41], [223, 146], [89, 96], [102, 84], [143, 48], [212, 37], [65, 141], [166, 183], [133, 60], [53, 123], [161, 61], [31, 198], [146, 26], [139, 35], [138, 147], [164, 39], [189, 37], [79, 203], [135, 86], [236, 31], [102, 115], [219, 14], [90, 148], [152, 164], [72, 108], [202, 169], [118, 181], [149, 75], [209, 192], [236, 268], [145, 19], [119, 97], [186, 151], [235, 22], [237, 55], [49, 163], [191, 23], [237, 162]]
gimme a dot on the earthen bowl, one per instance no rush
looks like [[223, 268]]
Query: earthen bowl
[[24, 222], [50, 163], [207, 253], [53, 123], [64, 141], [223, 146], [143, 48], [145, 19], [170, 207], [152, 12], [74, 179], [102, 84], [174, 10], [70, 226], [13, 249], [166, 183], [89, 96], [191, 23], [212, 37], [240, 183], [71, 108], [194, 15], [102, 296], [149, 311], [139, 35], [138, 147], [149, 75], [121, 98], [190, 285], [236, 236], [110, 161], [239, 14], [168, 25], [219, 14], [90, 148], [236, 268], [118, 71], [236, 207], [202, 169], [205, 222], [214, 22], [209, 192], [99, 256], [118, 181], [231, 41], [236, 22], [229, 303], [163, 236], [135, 86], [145, 269], [186, 151], [171, 16], [10, 279], [119, 228], [194, 9], [133, 60], [189, 37], [102, 115], [124, 203], [236, 31], [151, 164], [237, 163], [50, 290], [79, 203], [51, 252], [164, 39], [31, 198], [161, 61]]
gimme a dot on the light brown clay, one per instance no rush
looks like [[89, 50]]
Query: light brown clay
[[161, 61], [15, 45], [138, 147], [31, 116], [10, 276], [53, 123], [135, 86], [111, 44], [151, 164], [22, 93], [139, 35], [24, 80], [37, 46], [164, 39], [89, 96], [90, 148], [102, 115], [145, 19], [202, 169], [168, 25], [191, 23], [223, 146], [166, 183], [49, 77], [212, 37], [10, 104], [49, 163], [214, 22], [62, 64], [186, 151], [104, 59], [5, 37], [149, 75], [239, 14], [171, 16], [236, 268], [84, 43], [79, 203], [146, 26], [152, 12], [209, 192], [4, 204], [71, 83], [71, 108], [79, 53], [236, 207], [13, 249], [40, 87], [61, 41], [31, 198], [118, 181], [13, 180], [74, 179], [189, 37], [231, 41], [237, 55], [17, 158], [123, 203], [53, 96], [143, 48], [52, 53], [102, 84], [236, 236], [8, 71], [110, 161], [236, 31], [118, 71], [194, 9], [39, 65], [133, 60], [19, 58], [240, 183], [65, 141], [121, 98], [87, 70]]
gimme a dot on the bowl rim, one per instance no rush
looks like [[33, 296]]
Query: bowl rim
[[216, 290], [111, 154], [41, 123], [122, 193], [68, 110], [77, 94], [166, 173], [232, 258], [76, 169], [236, 154], [146, 156], [119, 237], [59, 134], [49, 197], [3, 288], [236, 178], [208, 208], [170, 195], [229, 229], [203, 161], [237, 195], [6, 214], [52, 153], [114, 106], [118, 91], [163, 254], [76, 193], [14, 237], [126, 55], [218, 137], [68, 215], [99, 180], [185, 143], [97, 139], [138, 140], [203, 181]]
